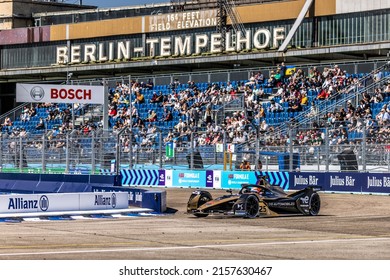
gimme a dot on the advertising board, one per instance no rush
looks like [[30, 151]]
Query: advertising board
[[188, 178], [43, 93], [30, 203]]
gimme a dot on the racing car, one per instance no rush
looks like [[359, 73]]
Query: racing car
[[254, 200]]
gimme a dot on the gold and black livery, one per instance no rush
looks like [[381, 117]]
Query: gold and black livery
[[255, 200]]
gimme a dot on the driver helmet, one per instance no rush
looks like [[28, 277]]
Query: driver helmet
[[257, 190]]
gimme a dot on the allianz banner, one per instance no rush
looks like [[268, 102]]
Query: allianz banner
[[59, 93]]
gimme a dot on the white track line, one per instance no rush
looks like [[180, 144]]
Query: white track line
[[67, 213], [193, 247]]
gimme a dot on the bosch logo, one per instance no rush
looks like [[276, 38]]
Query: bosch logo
[[44, 203], [72, 93], [181, 175], [113, 200], [37, 93], [230, 176]]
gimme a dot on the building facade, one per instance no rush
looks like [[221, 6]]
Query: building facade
[[157, 39]]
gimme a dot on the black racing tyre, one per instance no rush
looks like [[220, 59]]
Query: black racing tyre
[[201, 215], [314, 204], [204, 197], [251, 206]]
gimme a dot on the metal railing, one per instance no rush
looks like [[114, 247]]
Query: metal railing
[[102, 152]]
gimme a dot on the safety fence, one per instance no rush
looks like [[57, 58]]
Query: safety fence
[[325, 149]]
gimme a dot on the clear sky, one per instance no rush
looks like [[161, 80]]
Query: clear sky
[[118, 3]]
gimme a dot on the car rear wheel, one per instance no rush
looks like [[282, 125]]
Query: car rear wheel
[[251, 206], [314, 204]]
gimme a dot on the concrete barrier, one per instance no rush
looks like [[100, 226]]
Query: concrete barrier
[[50, 202]]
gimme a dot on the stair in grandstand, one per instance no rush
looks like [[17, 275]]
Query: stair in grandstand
[[91, 113]]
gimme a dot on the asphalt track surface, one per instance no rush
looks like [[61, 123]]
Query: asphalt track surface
[[349, 226]]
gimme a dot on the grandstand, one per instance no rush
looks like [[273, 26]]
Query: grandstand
[[327, 92]]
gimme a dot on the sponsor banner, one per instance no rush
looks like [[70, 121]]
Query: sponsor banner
[[38, 203], [344, 182], [170, 150], [104, 200], [59, 93], [161, 177], [168, 178], [184, 178], [300, 180], [376, 183], [151, 199], [209, 178], [30, 203], [274, 178], [217, 179], [234, 180], [136, 197], [142, 177]]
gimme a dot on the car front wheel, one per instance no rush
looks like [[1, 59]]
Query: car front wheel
[[251, 206]]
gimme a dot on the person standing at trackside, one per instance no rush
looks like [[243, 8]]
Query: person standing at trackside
[[245, 165], [259, 165]]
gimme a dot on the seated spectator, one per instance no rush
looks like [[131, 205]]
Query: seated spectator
[[304, 100], [294, 106], [323, 94], [149, 84], [40, 125], [167, 116], [152, 117], [139, 98], [263, 127], [7, 122], [378, 96], [313, 110], [386, 91], [169, 137], [160, 97], [275, 107], [138, 122], [154, 98]]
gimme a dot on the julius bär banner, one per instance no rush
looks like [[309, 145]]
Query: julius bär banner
[[59, 93]]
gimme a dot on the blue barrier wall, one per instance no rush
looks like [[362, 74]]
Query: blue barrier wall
[[58, 183], [343, 182], [352, 182], [144, 198]]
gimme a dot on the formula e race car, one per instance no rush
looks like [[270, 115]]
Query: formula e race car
[[261, 199]]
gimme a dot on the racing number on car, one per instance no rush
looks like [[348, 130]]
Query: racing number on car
[[262, 207]]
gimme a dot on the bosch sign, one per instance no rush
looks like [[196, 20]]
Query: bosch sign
[[71, 94], [59, 93]]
